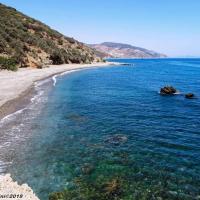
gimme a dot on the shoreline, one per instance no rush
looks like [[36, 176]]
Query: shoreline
[[16, 92], [17, 88]]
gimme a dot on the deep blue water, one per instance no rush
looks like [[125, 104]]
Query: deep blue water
[[113, 122]]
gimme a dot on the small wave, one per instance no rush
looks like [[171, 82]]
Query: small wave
[[34, 99], [11, 116], [3, 166], [41, 82], [54, 78], [176, 93], [68, 72]]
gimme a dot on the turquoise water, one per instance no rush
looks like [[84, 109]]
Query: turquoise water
[[109, 126]]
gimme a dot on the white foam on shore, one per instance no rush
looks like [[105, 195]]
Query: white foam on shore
[[36, 97], [14, 133], [33, 100], [54, 78], [11, 116]]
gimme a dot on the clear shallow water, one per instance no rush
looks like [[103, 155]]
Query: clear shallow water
[[104, 126]]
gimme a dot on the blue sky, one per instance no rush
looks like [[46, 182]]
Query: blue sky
[[168, 26]]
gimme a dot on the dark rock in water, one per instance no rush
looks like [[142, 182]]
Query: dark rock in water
[[189, 96], [169, 90], [87, 169], [113, 188], [116, 139], [76, 117]]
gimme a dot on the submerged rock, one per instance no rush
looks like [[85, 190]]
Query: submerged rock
[[113, 188], [169, 90], [117, 139], [76, 117], [91, 188], [189, 96], [87, 168]]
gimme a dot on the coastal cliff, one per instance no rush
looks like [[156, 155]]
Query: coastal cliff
[[26, 42], [119, 50]]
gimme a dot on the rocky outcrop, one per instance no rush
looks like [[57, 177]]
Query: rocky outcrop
[[168, 90], [189, 96], [12, 190]]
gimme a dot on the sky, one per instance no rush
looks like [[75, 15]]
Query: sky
[[171, 27]]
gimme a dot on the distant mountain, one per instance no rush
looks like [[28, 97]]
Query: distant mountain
[[118, 50], [26, 42]]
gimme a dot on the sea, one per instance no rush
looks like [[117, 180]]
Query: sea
[[107, 133]]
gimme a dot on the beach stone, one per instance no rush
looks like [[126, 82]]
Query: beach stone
[[189, 96], [169, 90], [116, 139]]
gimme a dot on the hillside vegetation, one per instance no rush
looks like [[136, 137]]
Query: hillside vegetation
[[26, 42]]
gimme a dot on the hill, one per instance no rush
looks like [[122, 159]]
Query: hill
[[26, 42], [119, 50]]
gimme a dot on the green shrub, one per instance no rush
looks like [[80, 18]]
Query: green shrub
[[57, 58], [8, 63], [60, 42], [18, 33]]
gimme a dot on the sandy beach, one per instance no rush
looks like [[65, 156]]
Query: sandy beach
[[16, 86]]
